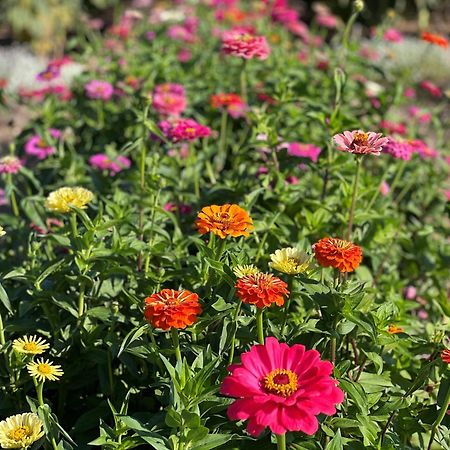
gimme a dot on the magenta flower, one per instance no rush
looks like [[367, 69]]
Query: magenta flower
[[49, 74], [10, 164], [360, 142], [398, 149], [281, 387], [169, 99], [97, 89], [393, 127], [431, 88], [423, 150], [241, 43], [393, 35], [184, 130], [303, 150], [327, 21], [101, 161], [39, 147]]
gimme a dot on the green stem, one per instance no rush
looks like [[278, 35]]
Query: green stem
[[176, 344], [142, 167], [73, 224], [81, 300], [222, 152], [442, 413], [39, 392], [2, 332], [260, 325], [287, 306], [235, 328], [377, 192], [350, 23], [281, 441], [14, 206], [333, 349], [244, 81], [354, 196]]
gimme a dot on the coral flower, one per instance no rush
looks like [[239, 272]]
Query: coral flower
[[61, 199], [172, 309], [445, 355], [44, 370], [225, 220], [261, 289], [232, 103], [337, 253], [241, 43], [394, 329], [360, 142], [281, 387], [30, 345], [184, 130], [289, 260], [20, 431], [435, 39], [10, 164]]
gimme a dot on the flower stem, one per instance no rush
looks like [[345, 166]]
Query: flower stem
[[260, 325], [287, 306], [2, 332], [440, 417], [235, 328], [244, 81], [73, 224], [81, 300], [281, 441], [39, 390], [14, 206], [354, 196], [222, 152], [176, 344]]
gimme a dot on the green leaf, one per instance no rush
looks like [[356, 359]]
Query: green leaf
[[336, 442], [212, 441]]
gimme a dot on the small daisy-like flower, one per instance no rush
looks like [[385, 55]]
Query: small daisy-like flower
[[61, 199], [394, 329], [445, 355], [44, 370], [360, 142], [225, 220], [261, 289], [289, 260], [172, 309], [337, 253], [20, 431], [435, 39], [30, 345], [244, 270], [10, 164]]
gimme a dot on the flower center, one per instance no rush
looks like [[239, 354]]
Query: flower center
[[360, 138], [280, 382], [19, 433], [45, 369], [30, 346], [42, 143], [246, 37], [190, 130]]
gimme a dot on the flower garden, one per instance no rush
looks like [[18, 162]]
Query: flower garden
[[228, 230]]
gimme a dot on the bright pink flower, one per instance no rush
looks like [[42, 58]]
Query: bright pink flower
[[281, 387], [10, 164], [360, 142], [61, 91], [393, 127], [243, 44], [39, 147], [303, 150], [384, 189], [398, 149], [327, 21], [409, 92], [292, 179], [431, 88], [97, 89], [447, 195], [103, 162], [59, 62], [184, 130], [184, 55], [393, 35], [422, 149], [169, 99]]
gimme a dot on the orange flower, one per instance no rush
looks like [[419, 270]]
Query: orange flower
[[261, 289], [172, 309], [224, 220], [394, 329], [445, 355], [435, 39], [342, 255]]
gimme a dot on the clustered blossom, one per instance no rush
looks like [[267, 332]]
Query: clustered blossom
[[183, 130], [100, 90], [243, 44], [10, 164], [112, 165], [289, 260], [38, 146], [360, 142], [49, 74], [232, 103], [169, 99]]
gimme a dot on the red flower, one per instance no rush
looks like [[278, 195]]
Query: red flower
[[261, 289], [172, 309], [342, 255], [445, 355], [435, 39]]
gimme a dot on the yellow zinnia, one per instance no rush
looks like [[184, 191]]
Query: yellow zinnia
[[290, 260], [30, 345], [244, 270], [62, 199], [44, 370], [20, 431]]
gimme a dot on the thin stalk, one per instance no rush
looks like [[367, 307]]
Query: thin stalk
[[244, 81], [110, 371], [222, 152], [287, 306], [2, 332], [81, 300], [14, 206], [260, 325], [176, 344], [142, 167], [73, 224], [377, 192], [281, 441], [354, 196], [440, 417], [333, 349], [235, 328]]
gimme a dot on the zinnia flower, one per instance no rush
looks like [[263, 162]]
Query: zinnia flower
[[303, 150], [360, 142], [20, 431], [104, 162], [244, 270], [281, 387], [44, 370], [232, 103], [394, 329], [243, 44], [261, 289], [30, 345], [435, 39], [184, 130], [289, 260], [97, 89], [225, 220], [445, 355], [61, 199], [49, 74], [172, 309], [398, 149], [169, 99], [10, 164], [431, 88], [40, 147], [337, 253]]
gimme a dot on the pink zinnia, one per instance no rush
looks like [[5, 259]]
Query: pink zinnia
[[398, 149], [393, 127], [184, 130], [232, 103], [97, 89], [431, 88], [281, 387], [422, 149], [10, 164], [103, 162], [327, 21], [303, 150], [360, 142], [39, 147], [393, 35], [245, 45], [169, 99]]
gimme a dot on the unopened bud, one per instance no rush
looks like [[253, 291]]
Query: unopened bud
[[358, 5]]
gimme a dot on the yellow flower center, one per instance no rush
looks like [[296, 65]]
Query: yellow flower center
[[190, 130], [30, 346], [44, 369], [246, 37], [19, 433], [360, 138], [42, 143], [280, 382]]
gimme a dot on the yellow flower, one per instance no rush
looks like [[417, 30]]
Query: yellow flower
[[20, 431], [290, 260], [2, 231], [61, 199], [44, 370], [244, 270], [30, 345]]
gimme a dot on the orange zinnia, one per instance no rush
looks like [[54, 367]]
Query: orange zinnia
[[394, 329], [261, 289], [435, 39], [224, 220], [172, 309], [342, 255], [445, 355]]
